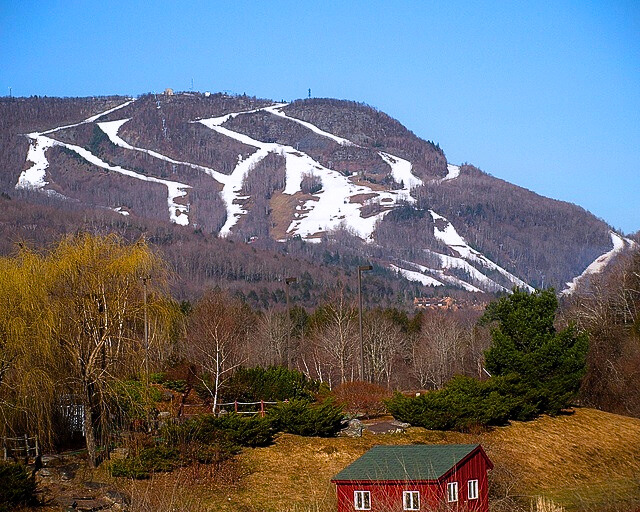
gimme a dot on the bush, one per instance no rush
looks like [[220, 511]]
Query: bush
[[310, 183], [130, 397], [230, 429], [306, 419], [464, 403], [270, 384], [362, 398], [156, 459], [17, 486]]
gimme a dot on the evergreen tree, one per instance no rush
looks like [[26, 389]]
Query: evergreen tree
[[526, 344]]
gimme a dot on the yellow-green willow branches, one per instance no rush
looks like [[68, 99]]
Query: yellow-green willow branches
[[27, 355], [80, 323]]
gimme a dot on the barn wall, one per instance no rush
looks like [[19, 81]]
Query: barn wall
[[387, 496], [474, 468]]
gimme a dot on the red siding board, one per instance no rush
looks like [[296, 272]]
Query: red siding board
[[386, 496]]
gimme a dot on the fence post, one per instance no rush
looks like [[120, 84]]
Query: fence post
[[37, 447], [262, 408], [4, 447], [236, 405], [26, 449]]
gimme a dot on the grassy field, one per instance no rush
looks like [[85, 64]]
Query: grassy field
[[584, 461]]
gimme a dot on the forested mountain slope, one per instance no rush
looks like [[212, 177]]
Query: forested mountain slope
[[333, 182]]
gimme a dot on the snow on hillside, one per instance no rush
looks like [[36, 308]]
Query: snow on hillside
[[598, 265], [450, 280], [416, 276], [453, 171], [275, 110], [331, 207], [451, 238], [177, 212], [34, 177]]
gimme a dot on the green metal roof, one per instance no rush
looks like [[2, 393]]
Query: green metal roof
[[406, 462]]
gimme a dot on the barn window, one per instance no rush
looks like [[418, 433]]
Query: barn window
[[452, 491], [362, 500], [472, 488], [411, 500]]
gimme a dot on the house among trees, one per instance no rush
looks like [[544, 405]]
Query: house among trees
[[416, 477]]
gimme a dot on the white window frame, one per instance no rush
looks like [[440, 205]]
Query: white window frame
[[413, 501], [452, 492], [362, 500], [472, 489]]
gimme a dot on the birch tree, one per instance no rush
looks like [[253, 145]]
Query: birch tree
[[216, 339]]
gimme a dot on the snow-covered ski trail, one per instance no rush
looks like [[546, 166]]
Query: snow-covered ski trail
[[598, 265]]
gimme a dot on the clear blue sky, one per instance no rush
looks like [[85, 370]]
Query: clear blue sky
[[543, 94]]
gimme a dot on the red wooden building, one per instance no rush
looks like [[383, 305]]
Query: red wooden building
[[416, 477]]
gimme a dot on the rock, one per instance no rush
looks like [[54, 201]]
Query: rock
[[95, 485], [385, 427], [354, 429], [44, 472], [118, 498]]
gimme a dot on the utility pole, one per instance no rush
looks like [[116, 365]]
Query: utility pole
[[146, 350], [287, 282], [361, 269]]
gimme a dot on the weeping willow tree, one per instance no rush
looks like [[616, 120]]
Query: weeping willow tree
[[28, 362], [77, 326]]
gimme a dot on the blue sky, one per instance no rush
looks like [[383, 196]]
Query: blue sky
[[545, 95]]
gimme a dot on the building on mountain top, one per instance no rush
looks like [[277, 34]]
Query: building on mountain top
[[416, 477]]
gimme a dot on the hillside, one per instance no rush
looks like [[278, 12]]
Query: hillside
[[584, 461], [337, 174]]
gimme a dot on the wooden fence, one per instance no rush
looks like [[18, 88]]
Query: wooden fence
[[20, 448]]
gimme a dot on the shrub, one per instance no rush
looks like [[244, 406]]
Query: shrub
[[230, 429], [306, 419], [464, 403], [310, 183], [156, 459], [17, 486], [362, 398], [271, 384], [130, 397], [244, 431]]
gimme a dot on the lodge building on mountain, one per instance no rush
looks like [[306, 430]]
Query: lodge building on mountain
[[416, 477]]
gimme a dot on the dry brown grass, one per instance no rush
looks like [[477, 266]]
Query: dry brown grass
[[585, 461]]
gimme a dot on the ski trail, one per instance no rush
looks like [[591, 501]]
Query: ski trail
[[111, 128], [598, 265], [175, 189], [330, 207], [452, 239], [88, 119]]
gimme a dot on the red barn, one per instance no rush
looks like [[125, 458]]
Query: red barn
[[416, 477]]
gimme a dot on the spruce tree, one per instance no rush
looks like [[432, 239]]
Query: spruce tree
[[549, 363]]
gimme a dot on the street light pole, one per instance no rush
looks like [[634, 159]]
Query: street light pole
[[361, 268], [146, 349], [287, 282]]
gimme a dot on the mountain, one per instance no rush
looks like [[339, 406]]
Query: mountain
[[333, 183]]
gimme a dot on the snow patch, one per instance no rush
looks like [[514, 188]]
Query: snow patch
[[453, 171], [416, 276], [34, 177], [175, 190], [598, 265], [453, 240]]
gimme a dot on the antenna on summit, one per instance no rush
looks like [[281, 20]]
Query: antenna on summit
[[192, 85], [309, 92]]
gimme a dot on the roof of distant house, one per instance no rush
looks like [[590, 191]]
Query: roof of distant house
[[407, 462]]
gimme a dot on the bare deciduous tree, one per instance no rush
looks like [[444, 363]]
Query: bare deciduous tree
[[216, 337]]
